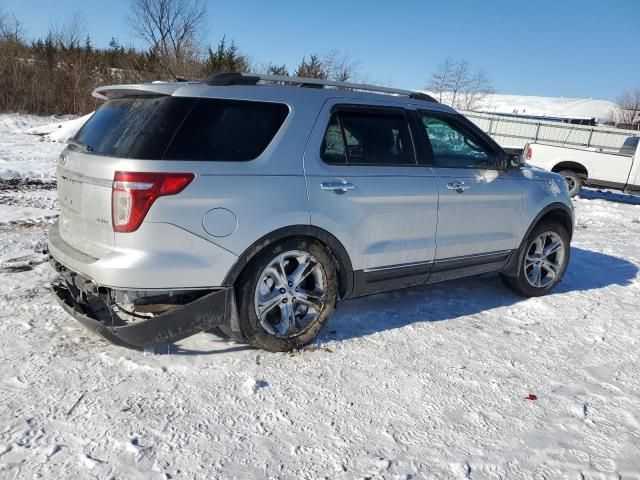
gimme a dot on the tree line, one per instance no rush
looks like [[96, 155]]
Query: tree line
[[55, 74]]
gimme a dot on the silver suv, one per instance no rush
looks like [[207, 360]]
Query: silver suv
[[255, 203]]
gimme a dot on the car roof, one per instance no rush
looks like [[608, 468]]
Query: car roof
[[283, 89]]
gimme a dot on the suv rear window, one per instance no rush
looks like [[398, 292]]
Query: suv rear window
[[180, 128], [134, 127]]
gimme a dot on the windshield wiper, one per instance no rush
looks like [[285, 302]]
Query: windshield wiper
[[77, 143]]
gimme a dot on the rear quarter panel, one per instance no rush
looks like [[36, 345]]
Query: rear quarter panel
[[264, 194]]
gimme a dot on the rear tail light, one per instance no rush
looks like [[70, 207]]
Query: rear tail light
[[528, 152], [133, 193]]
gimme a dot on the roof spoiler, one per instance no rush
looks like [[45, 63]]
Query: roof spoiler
[[118, 91]]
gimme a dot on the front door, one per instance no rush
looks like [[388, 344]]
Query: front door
[[480, 209]]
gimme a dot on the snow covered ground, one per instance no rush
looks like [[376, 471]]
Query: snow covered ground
[[423, 383]]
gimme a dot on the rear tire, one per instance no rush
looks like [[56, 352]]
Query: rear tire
[[286, 294], [543, 261], [574, 181]]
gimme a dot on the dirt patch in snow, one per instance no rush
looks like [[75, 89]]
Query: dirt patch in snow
[[25, 184]]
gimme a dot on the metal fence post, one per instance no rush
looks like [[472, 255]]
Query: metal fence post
[[537, 131]]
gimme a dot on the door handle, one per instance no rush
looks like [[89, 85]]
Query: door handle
[[337, 186], [458, 186]]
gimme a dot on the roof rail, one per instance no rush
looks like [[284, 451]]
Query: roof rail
[[231, 78], [234, 78]]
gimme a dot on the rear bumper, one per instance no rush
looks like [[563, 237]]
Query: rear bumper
[[80, 298], [158, 256]]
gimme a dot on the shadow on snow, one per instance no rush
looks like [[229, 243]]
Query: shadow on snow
[[593, 194], [587, 270]]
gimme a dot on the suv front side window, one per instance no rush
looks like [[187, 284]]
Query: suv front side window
[[453, 146], [368, 137]]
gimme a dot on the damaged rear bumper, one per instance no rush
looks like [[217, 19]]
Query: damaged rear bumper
[[93, 309]]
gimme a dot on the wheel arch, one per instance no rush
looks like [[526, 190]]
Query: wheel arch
[[572, 166], [555, 212], [335, 247]]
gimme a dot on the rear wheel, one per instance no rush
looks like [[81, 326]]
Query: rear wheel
[[543, 261], [287, 294], [574, 181]]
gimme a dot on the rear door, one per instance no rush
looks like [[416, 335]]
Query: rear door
[[368, 188], [480, 209]]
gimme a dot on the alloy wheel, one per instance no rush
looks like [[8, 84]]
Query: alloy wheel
[[290, 293], [544, 260]]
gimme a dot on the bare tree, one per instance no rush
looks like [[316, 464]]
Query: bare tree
[[172, 28], [455, 83], [477, 89], [628, 113], [11, 29], [441, 78], [339, 66], [69, 34], [459, 81]]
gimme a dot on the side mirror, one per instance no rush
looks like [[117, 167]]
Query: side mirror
[[512, 161]]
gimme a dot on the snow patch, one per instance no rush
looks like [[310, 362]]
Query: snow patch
[[60, 131]]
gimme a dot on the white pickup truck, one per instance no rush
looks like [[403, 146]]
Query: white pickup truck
[[620, 171]]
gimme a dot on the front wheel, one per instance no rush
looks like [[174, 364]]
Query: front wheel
[[286, 294], [543, 261], [574, 181]]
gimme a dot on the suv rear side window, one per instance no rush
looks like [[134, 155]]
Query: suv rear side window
[[227, 130], [180, 128], [368, 137], [454, 146]]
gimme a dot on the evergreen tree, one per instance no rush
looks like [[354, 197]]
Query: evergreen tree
[[311, 69], [225, 58], [277, 70], [88, 47]]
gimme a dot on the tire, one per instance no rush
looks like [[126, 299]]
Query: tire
[[292, 311], [532, 259], [574, 181]]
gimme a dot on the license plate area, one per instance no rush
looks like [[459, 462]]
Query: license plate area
[[69, 194]]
